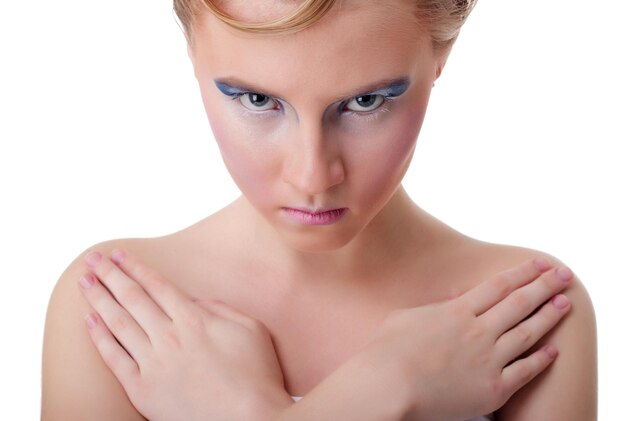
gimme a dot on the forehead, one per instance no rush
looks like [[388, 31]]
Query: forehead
[[354, 44]]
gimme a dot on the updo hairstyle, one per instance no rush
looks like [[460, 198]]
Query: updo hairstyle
[[442, 19]]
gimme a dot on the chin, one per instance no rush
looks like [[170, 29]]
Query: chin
[[320, 242]]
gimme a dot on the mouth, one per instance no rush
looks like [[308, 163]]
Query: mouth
[[317, 217]]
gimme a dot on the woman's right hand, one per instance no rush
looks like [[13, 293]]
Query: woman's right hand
[[461, 358]]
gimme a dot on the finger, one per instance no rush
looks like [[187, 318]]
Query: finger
[[120, 323], [487, 294], [220, 308], [129, 293], [173, 302], [523, 301], [522, 371], [519, 339], [115, 357]]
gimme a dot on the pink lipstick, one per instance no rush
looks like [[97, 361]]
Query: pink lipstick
[[321, 217]]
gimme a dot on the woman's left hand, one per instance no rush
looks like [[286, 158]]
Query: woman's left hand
[[176, 359]]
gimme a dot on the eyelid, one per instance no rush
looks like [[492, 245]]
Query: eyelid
[[235, 93], [394, 90], [389, 93]]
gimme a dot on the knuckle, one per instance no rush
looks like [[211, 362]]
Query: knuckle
[[172, 339], [152, 279], [132, 295], [523, 334], [496, 392], [142, 272], [519, 300], [476, 333], [501, 286], [192, 319], [120, 323], [525, 373], [458, 309], [483, 359]]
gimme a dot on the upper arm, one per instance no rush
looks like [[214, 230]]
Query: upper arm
[[567, 389], [76, 384]]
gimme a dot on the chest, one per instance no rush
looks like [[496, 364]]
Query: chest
[[314, 331]]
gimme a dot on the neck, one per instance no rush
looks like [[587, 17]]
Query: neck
[[398, 229]]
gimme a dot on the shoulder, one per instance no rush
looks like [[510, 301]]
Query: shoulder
[[76, 384], [545, 397], [490, 258], [493, 258]]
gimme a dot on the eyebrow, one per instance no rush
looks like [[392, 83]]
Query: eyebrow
[[370, 88]]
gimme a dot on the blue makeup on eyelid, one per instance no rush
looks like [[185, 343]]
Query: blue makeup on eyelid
[[389, 92]]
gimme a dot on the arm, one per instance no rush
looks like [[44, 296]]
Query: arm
[[566, 391], [437, 389], [465, 344], [76, 384], [376, 396]]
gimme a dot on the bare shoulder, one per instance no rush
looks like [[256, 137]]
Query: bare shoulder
[[76, 384], [567, 390]]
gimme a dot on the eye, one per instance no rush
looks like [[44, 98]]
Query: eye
[[365, 103], [257, 102]]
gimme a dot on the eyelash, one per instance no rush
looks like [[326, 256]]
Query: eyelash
[[365, 116]]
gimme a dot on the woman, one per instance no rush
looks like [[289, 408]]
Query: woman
[[317, 126]]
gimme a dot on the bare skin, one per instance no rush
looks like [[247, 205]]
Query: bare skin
[[314, 329], [320, 292]]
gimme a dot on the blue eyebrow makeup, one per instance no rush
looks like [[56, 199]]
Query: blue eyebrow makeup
[[387, 87], [395, 88], [228, 89]]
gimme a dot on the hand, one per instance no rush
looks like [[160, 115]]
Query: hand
[[461, 358], [175, 359]]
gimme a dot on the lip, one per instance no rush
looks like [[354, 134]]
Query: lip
[[318, 217]]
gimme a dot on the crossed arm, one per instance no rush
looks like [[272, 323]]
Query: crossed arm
[[368, 388]]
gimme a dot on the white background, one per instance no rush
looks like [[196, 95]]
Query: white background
[[103, 135]]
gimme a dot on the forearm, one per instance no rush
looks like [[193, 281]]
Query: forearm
[[356, 390]]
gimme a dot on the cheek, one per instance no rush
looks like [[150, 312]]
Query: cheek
[[383, 165], [249, 164]]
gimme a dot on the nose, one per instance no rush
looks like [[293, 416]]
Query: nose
[[313, 165]]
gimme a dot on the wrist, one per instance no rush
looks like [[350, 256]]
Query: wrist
[[268, 406], [389, 382], [362, 388]]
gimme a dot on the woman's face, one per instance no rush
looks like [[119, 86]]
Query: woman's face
[[325, 118]]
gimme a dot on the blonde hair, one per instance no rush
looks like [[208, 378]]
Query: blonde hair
[[442, 19]]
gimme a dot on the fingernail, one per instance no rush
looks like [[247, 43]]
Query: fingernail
[[93, 258], [564, 274], [118, 256], [541, 263], [550, 350], [90, 320], [86, 281], [560, 301]]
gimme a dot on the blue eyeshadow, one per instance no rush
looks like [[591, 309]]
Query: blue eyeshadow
[[393, 90], [227, 89]]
